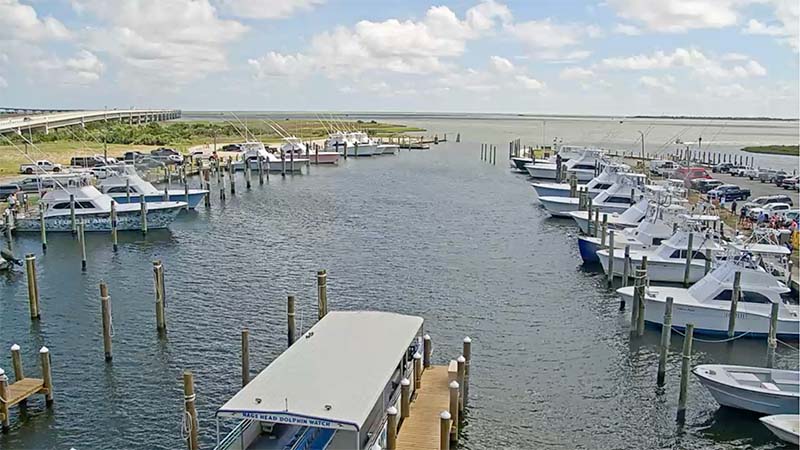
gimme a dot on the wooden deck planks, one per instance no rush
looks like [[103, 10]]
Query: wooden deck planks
[[421, 430], [23, 389]]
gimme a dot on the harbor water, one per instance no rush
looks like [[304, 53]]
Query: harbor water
[[435, 233]]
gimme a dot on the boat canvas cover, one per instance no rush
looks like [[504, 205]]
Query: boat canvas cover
[[332, 376]]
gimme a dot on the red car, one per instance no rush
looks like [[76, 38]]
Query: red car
[[687, 174]]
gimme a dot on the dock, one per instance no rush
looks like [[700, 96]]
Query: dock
[[420, 431]]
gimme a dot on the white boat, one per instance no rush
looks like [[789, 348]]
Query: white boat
[[628, 218], [125, 185], [648, 234], [518, 163], [387, 149], [785, 427], [756, 389], [667, 262], [707, 304], [363, 145], [596, 185], [616, 199], [93, 209], [583, 167], [294, 146], [330, 389], [271, 162]]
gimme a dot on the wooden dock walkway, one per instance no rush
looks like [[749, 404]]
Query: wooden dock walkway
[[420, 431]]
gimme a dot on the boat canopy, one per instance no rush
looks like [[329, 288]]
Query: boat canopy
[[767, 249], [332, 376]]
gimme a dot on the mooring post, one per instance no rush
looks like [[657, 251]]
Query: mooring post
[[596, 221], [245, 357], [603, 232], [158, 278], [466, 351], [222, 187], [82, 241], [143, 212], [72, 218], [322, 293], [247, 174], [114, 225], [688, 268], [611, 256], [708, 261], [16, 362], [190, 411], [454, 410], [460, 364], [291, 329], [636, 300], [186, 194], [33, 286], [260, 170], [444, 430], [737, 293], [391, 428], [772, 339], [686, 362], [42, 226], [666, 333], [405, 398], [589, 212], [417, 370], [232, 173], [105, 308], [4, 394], [291, 161], [283, 162], [626, 267], [642, 299], [426, 350]]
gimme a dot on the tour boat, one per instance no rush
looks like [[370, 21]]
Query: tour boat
[[93, 209], [126, 186], [756, 389], [330, 389], [616, 199], [294, 146], [707, 304], [583, 167], [628, 218], [596, 185], [785, 427], [667, 262]]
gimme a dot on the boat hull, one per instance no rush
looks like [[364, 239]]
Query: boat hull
[[387, 149], [556, 190], [362, 150], [542, 171], [738, 398], [195, 197], [126, 221], [588, 250], [519, 163], [657, 270], [582, 219], [582, 175], [324, 158], [784, 427]]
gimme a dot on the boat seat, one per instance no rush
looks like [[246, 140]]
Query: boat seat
[[769, 386]]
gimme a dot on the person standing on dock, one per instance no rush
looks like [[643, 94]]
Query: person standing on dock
[[12, 203]]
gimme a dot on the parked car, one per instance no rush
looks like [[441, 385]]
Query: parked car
[[32, 184], [777, 179], [765, 175], [7, 189], [42, 165], [789, 216], [765, 200], [133, 156], [706, 184], [737, 170], [722, 168], [789, 183], [232, 148], [749, 173], [687, 174], [167, 155], [87, 161], [770, 209], [729, 193]]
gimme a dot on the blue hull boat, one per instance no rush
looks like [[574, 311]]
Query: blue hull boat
[[588, 250]]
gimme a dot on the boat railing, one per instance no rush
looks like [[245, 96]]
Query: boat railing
[[235, 436]]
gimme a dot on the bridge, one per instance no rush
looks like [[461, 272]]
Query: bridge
[[54, 119]]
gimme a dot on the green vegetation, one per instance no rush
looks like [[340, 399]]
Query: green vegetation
[[791, 150], [63, 143]]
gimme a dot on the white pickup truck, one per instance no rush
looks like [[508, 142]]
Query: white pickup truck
[[42, 165]]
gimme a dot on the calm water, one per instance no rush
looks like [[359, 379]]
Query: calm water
[[438, 233]]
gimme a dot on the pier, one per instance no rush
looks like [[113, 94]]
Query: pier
[[420, 431]]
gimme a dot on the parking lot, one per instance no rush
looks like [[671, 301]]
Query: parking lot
[[757, 188]]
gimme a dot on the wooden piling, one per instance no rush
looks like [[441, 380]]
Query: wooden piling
[[772, 338], [466, 351], [596, 221], [642, 275], [186, 194], [460, 370], [391, 428], [232, 173], [611, 255], [405, 398], [33, 287], [636, 300], [291, 329], [4, 394], [454, 410], [626, 268], [73, 221], [322, 293], [260, 170], [158, 278], [426, 350], [143, 212], [16, 362], [105, 308], [417, 370], [666, 333], [735, 296], [688, 268], [603, 230], [444, 430], [189, 410], [247, 174], [686, 362], [82, 241], [114, 243], [283, 161], [708, 261], [42, 227], [291, 162], [245, 357]]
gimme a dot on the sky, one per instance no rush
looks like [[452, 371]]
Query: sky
[[612, 57]]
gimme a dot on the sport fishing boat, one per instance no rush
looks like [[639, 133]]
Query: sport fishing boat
[[271, 162], [363, 145], [648, 234], [667, 262], [596, 185], [583, 167], [93, 209], [298, 403], [616, 199], [707, 304], [617, 221], [387, 149], [566, 152], [125, 185], [757, 389], [295, 146]]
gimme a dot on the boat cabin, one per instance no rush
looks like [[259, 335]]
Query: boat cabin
[[87, 200], [330, 389], [126, 180]]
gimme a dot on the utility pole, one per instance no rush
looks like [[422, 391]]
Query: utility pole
[[642, 144]]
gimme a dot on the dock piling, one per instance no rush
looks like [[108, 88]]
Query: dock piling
[[260, 170], [245, 357], [82, 241], [143, 212], [33, 286], [603, 232], [322, 293], [708, 261], [391, 428], [291, 329], [466, 351], [405, 398], [735, 296], [16, 362], [444, 430], [190, 413], [460, 369], [685, 365], [105, 307], [4, 394], [626, 269], [688, 268], [72, 219], [248, 174], [772, 338], [232, 173], [158, 278], [114, 243], [454, 410], [42, 227], [611, 254], [666, 333], [426, 351], [417, 370]]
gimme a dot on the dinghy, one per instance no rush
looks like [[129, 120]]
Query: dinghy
[[785, 426], [756, 389]]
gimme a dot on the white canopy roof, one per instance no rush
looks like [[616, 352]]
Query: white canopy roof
[[333, 375]]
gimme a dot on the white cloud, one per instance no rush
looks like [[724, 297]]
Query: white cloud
[[546, 34], [734, 57], [20, 22], [787, 29], [626, 29], [83, 68], [693, 59], [756, 27], [664, 84], [576, 73], [529, 83], [674, 16], [727, 91], [267, 9], [161, 42], [278, 65], [500, 64]]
